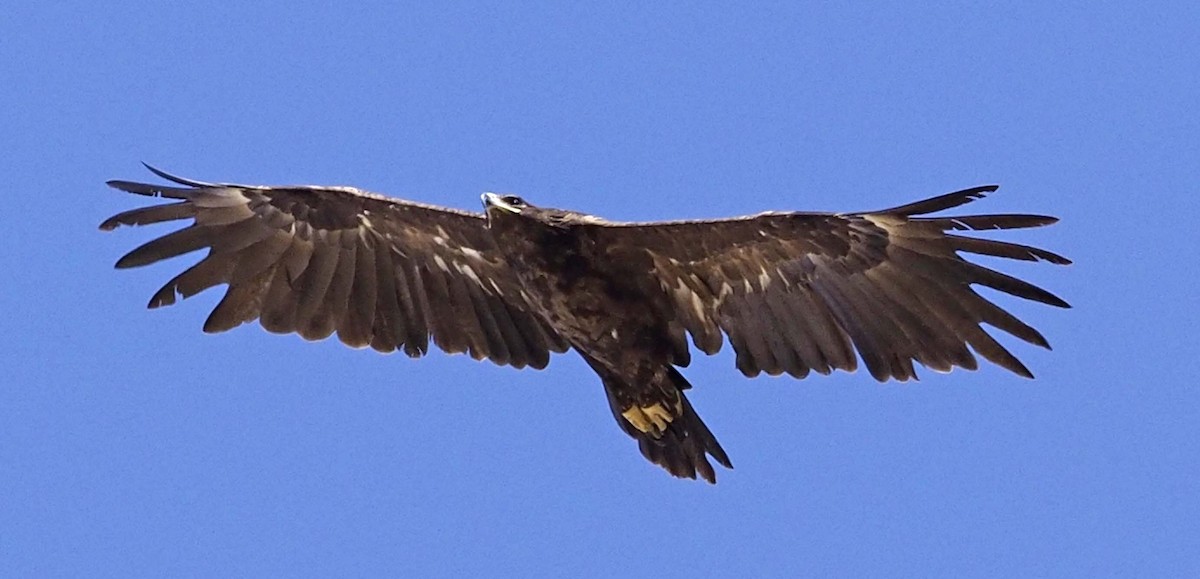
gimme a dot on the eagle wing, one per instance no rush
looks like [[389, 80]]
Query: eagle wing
[[797, 292], [314, 260]]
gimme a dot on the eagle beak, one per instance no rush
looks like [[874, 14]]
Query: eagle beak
[[491, 200]]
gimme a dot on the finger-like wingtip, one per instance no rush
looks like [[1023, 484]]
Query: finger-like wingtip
[[941, 202], [134, 187], [175, 178]]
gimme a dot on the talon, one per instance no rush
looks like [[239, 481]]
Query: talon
[[651, 419]]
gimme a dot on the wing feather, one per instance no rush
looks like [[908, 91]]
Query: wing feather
[[940, 303], [1004, 249], [240, 304], [493, 336], [447, 335], [252, 262], [389, 329], [789, 344], [797, 292], [508, 334], [380, 272], [314, 283], [195, 279], [356, 328], [174, 244], [806, 334], [282, 302], [327, 313], [151, 214], [412, 298]]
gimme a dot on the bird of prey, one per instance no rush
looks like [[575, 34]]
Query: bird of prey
[[794, 292]]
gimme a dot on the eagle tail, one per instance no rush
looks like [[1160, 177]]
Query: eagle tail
[[684, 445]]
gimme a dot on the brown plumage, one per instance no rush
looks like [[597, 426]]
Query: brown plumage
[[794, 292]]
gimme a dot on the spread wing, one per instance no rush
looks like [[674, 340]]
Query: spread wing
[[315, 260], [801, 291]]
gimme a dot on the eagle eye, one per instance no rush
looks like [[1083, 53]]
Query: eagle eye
[[513, 200]]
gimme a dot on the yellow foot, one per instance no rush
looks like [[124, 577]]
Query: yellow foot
[[651, 419]]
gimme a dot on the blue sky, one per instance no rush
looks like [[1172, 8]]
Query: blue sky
[[131, 444]]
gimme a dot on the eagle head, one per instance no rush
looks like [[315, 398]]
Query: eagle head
[[493, 203], [502, 207]]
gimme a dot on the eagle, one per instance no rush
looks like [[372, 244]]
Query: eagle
[[794, 292]]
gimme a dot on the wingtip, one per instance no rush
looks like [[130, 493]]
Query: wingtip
[[941, 202], [1020, 369], [1058, 302], [122, 185], [722, 458], [977, 193], [175, 178], [157, 171]]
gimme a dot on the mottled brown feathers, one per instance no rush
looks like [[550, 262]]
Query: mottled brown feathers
[[794, 293], [318, 260]]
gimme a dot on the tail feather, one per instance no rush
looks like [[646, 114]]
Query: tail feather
[[684, 446]]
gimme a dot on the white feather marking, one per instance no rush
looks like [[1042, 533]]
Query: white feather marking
[[698, 305], [471, 253], [726, 289], [685, 296], [441, 263], [886, 222], [764, 280], [467, 271], [614, 333]]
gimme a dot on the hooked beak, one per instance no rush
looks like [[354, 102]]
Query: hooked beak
[[492, 200]]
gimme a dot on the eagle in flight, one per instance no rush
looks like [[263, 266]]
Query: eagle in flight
[[794, 292]]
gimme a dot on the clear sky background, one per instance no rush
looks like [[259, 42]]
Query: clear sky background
[[131, 444]]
